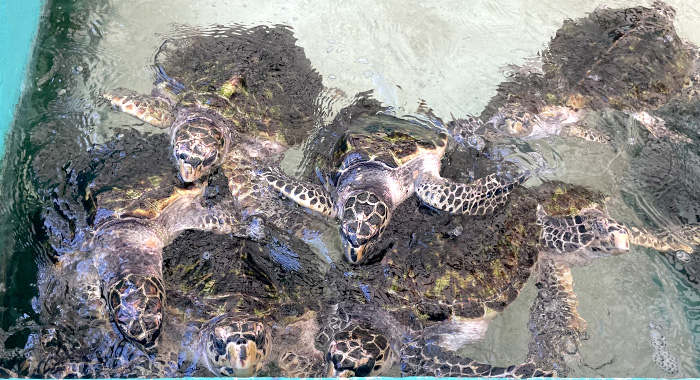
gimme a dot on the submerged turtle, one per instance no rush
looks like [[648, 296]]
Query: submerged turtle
[[252, 89], [365, 340], [378, 163], [628, 59]]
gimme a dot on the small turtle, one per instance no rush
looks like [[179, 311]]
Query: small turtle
[[215, 93], [378, 163], [628, 59], [456, 273]]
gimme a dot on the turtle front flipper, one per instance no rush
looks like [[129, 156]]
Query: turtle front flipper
[[477, 198], [422, 358], [188, 213], [666, 240], [311, 196], [555, 324], [586, 134], [152, 110]]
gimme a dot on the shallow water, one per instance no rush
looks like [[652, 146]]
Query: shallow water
[[448, 54]]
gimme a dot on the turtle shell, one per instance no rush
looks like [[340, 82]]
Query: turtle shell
[[258, 79], [385, 139], [468, 267], [125, 187], [625, 59]]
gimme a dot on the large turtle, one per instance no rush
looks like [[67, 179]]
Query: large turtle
[[248, 89], [455, 273], [375, 165], [628, 59]]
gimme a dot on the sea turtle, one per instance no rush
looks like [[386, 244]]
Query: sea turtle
[[365, 340], [628, 59], [131, 213], [238, 308], [249, 89], [455, 273], [375, 165]]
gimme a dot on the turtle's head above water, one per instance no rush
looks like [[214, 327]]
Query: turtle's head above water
[[363, 218], [197, 146], [235, 346]]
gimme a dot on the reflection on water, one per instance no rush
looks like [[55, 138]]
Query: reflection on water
[[449, 56]]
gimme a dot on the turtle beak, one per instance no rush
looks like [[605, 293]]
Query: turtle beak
[[242, 359], [355, 255], [189, 173], [621, 240]]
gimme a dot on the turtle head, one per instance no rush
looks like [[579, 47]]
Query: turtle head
[[589, 234], [357, 351], [198, 145], [363, 218], [613, 237], [234, 346], [136, 303]]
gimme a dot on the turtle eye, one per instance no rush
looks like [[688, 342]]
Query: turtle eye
[[182, 156], [209, 160], [219, 345]]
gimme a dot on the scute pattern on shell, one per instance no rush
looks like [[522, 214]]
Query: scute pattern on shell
[[389, 140], [279, 86], [451, 265]]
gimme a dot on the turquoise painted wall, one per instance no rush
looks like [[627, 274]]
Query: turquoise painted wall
[[19, 20]]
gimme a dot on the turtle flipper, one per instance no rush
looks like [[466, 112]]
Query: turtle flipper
[[587, 134], [477, 198], [666, 240], [420, 358], [153, 110], [555, 323], [657, 127], [311, 196]]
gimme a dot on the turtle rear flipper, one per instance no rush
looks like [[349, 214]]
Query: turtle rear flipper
[[477, 198], [420, 358], [156, 111], [555, 323]]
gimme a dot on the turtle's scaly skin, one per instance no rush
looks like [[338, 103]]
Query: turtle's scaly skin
[[378, 163], [219, 93]]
